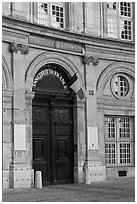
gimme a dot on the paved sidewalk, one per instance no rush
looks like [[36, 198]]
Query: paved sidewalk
[[118, 190]]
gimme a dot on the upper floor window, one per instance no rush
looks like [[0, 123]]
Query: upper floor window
[[119, 20], [111, 5], [125, 9], [51, 14]]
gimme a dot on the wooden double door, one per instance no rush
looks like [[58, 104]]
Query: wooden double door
[[53, 139]]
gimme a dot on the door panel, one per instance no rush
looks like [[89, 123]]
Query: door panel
[[64, 148], [53, 141], [41, 141], [39, 146]]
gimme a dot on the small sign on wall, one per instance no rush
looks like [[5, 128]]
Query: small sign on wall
[[19, 137], [92, 138]]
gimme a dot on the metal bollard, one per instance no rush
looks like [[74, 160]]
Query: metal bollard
[[38, 179]]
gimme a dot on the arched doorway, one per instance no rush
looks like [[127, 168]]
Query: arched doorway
[[52, 121]]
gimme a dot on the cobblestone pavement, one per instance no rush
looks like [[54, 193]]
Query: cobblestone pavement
[[118, 190]]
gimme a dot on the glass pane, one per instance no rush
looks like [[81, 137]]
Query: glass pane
[[43, 13], [127, 29], [125, 153], [125, 8], [120, 85], [57, 16], [118, 148], [110, 153], [124, 127], [110, 127]]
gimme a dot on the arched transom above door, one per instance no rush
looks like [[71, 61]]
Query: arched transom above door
[[51, 58], [50, 78]]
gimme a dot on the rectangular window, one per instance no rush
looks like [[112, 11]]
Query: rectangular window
[[110, 127], [51, 14], [125, 9], [119, 140], [110, 152], [125, 154], [58, 16], [119, 20], [43, 12], [126, 32]]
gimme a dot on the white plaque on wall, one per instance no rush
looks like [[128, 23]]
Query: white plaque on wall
[[19, 137], [92, 138]]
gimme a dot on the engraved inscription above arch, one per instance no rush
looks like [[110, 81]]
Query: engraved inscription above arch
[[49, 78]]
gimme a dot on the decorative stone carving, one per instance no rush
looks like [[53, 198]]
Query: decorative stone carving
[[15, 47], [93, 60]]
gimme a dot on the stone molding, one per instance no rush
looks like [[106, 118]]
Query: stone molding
[[15, 47], [47, 58], [89, 40], [109, 71], [7, 81], [112, 104], [7, 95], [55, 44], [94, 60], [29, 94]]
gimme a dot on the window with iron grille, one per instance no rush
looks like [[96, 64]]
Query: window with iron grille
[[119, 140], [119, 20]]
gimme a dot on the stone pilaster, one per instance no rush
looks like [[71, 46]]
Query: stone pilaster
[[7, 140], [20, 170], [29, 95], [81, 142]]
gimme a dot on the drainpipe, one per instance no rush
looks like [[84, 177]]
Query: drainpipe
[[85, 167]]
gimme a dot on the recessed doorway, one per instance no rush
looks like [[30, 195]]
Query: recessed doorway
[[52, 121]]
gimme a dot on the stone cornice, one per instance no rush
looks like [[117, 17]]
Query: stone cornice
[[39, 30], [107, 103]]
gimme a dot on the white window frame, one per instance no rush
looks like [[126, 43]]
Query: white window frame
[[128, 18], [129, 84], [49, 15], [117, 141], [119, 19]]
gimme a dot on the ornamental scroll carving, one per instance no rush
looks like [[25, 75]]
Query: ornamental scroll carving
[[15, 47], [93, 60]]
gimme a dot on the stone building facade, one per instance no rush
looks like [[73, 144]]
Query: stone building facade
[[47, 125]]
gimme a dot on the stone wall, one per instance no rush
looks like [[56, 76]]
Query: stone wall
[[26, 48]]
